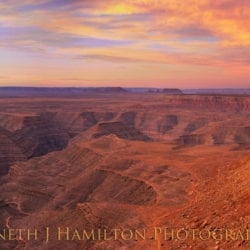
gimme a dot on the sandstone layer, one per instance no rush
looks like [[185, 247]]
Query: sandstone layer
[[135, 161]]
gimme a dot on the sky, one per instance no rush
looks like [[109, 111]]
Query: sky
[[129, 43]]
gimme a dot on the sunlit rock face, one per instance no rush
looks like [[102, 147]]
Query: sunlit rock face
[[124, 161]]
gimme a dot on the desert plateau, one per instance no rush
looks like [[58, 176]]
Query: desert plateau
[[128, 161]]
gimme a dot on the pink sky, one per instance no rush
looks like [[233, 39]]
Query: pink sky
[[139, 43]]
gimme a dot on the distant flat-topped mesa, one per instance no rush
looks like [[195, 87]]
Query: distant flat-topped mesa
[[221, 91], [172, 91], [19, 91], [56, 91]]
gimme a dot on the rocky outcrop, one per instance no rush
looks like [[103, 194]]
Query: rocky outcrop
[[243, 136], [128, 118], [212, 103], [120, 130], [167, 123], [40, 135], [191, 140], [9, 151], [196, 124]]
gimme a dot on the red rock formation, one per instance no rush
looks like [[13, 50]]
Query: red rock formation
[[157, 161]]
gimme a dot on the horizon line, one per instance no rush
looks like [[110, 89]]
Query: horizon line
[[107, 86]]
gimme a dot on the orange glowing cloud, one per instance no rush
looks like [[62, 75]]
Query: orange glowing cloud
[[202, 43]]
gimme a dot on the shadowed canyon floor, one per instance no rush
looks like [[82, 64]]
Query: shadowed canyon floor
[[130, 161]]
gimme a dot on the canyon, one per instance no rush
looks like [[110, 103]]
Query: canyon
[[125, 160]]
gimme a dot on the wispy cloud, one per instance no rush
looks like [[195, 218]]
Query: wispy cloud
[[167, 32]]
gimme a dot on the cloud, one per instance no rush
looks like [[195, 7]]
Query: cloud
[[167, 32], [36, 37]]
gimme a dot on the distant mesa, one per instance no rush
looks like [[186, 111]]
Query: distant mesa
[[219, 91], [109, 89], [16, 91], [56, 91], [172, 91]]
